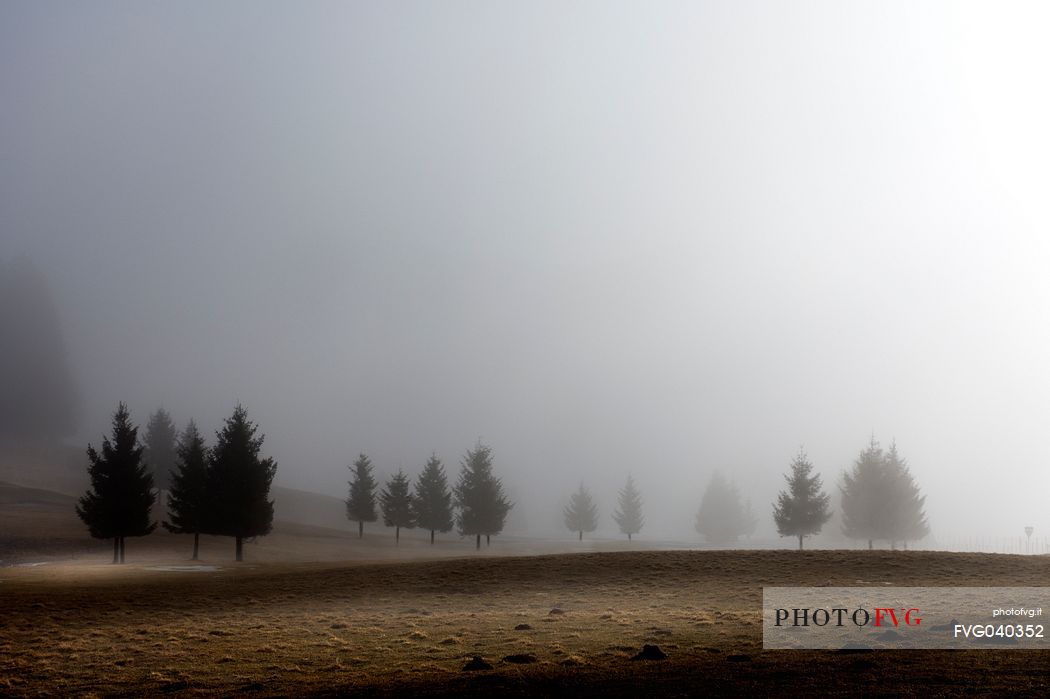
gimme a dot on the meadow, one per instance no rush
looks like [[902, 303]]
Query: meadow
[[545, 624], [316, 611]]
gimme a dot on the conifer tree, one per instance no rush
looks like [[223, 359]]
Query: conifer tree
[[396, 501], [723, 516], [159, 452], [801, 510], [361, 505], [907, 519], [862, 489], [188, 497], [880, 499], [432, 504], [628, 515], [581, 514], [239, 482], [121, 495], [479, 495]]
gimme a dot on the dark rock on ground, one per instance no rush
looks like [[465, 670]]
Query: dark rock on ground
[[650, 652], [476, 663]]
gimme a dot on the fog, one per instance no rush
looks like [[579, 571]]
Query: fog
[[604, 238]]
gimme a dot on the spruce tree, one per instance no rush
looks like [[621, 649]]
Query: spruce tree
[[880, 499], [432, 504], [159, 453], [723, 516], [479, 495], [396, 501], [239, 482], [801, 510], [863, 488], [361, 505], [581, 514], [907, 520], [188, 498], [121, 495], [628, 516]]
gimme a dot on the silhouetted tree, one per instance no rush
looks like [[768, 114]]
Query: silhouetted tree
[[432, 504], [118, 504], [801, 510], [629, 514], [396, 501], [880, 499], [37, 393], [188, 497], [239, 482], [479, 495], [723, 516], [159, 453], [581, 514], [361, 505]]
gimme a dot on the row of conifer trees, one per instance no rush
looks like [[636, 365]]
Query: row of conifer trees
[[476, 504], [222, 490], [879, 498]]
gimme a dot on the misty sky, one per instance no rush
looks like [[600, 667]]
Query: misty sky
[[604, 237]]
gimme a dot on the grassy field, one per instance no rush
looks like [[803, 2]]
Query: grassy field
[[547, 625], [316, 611]]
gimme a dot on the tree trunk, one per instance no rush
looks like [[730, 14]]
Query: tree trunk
[[360, 529], [196, 544], [431, 537], [477, 547], [116, 549], [581, 535], [122, 549], [870, 547], [628, 536], [799, 542], [397, 535], [240, 549], [488, 540]]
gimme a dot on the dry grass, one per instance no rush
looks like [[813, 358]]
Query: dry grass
[[400, 628]]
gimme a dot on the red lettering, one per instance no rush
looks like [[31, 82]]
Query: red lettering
[[880, 613]]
